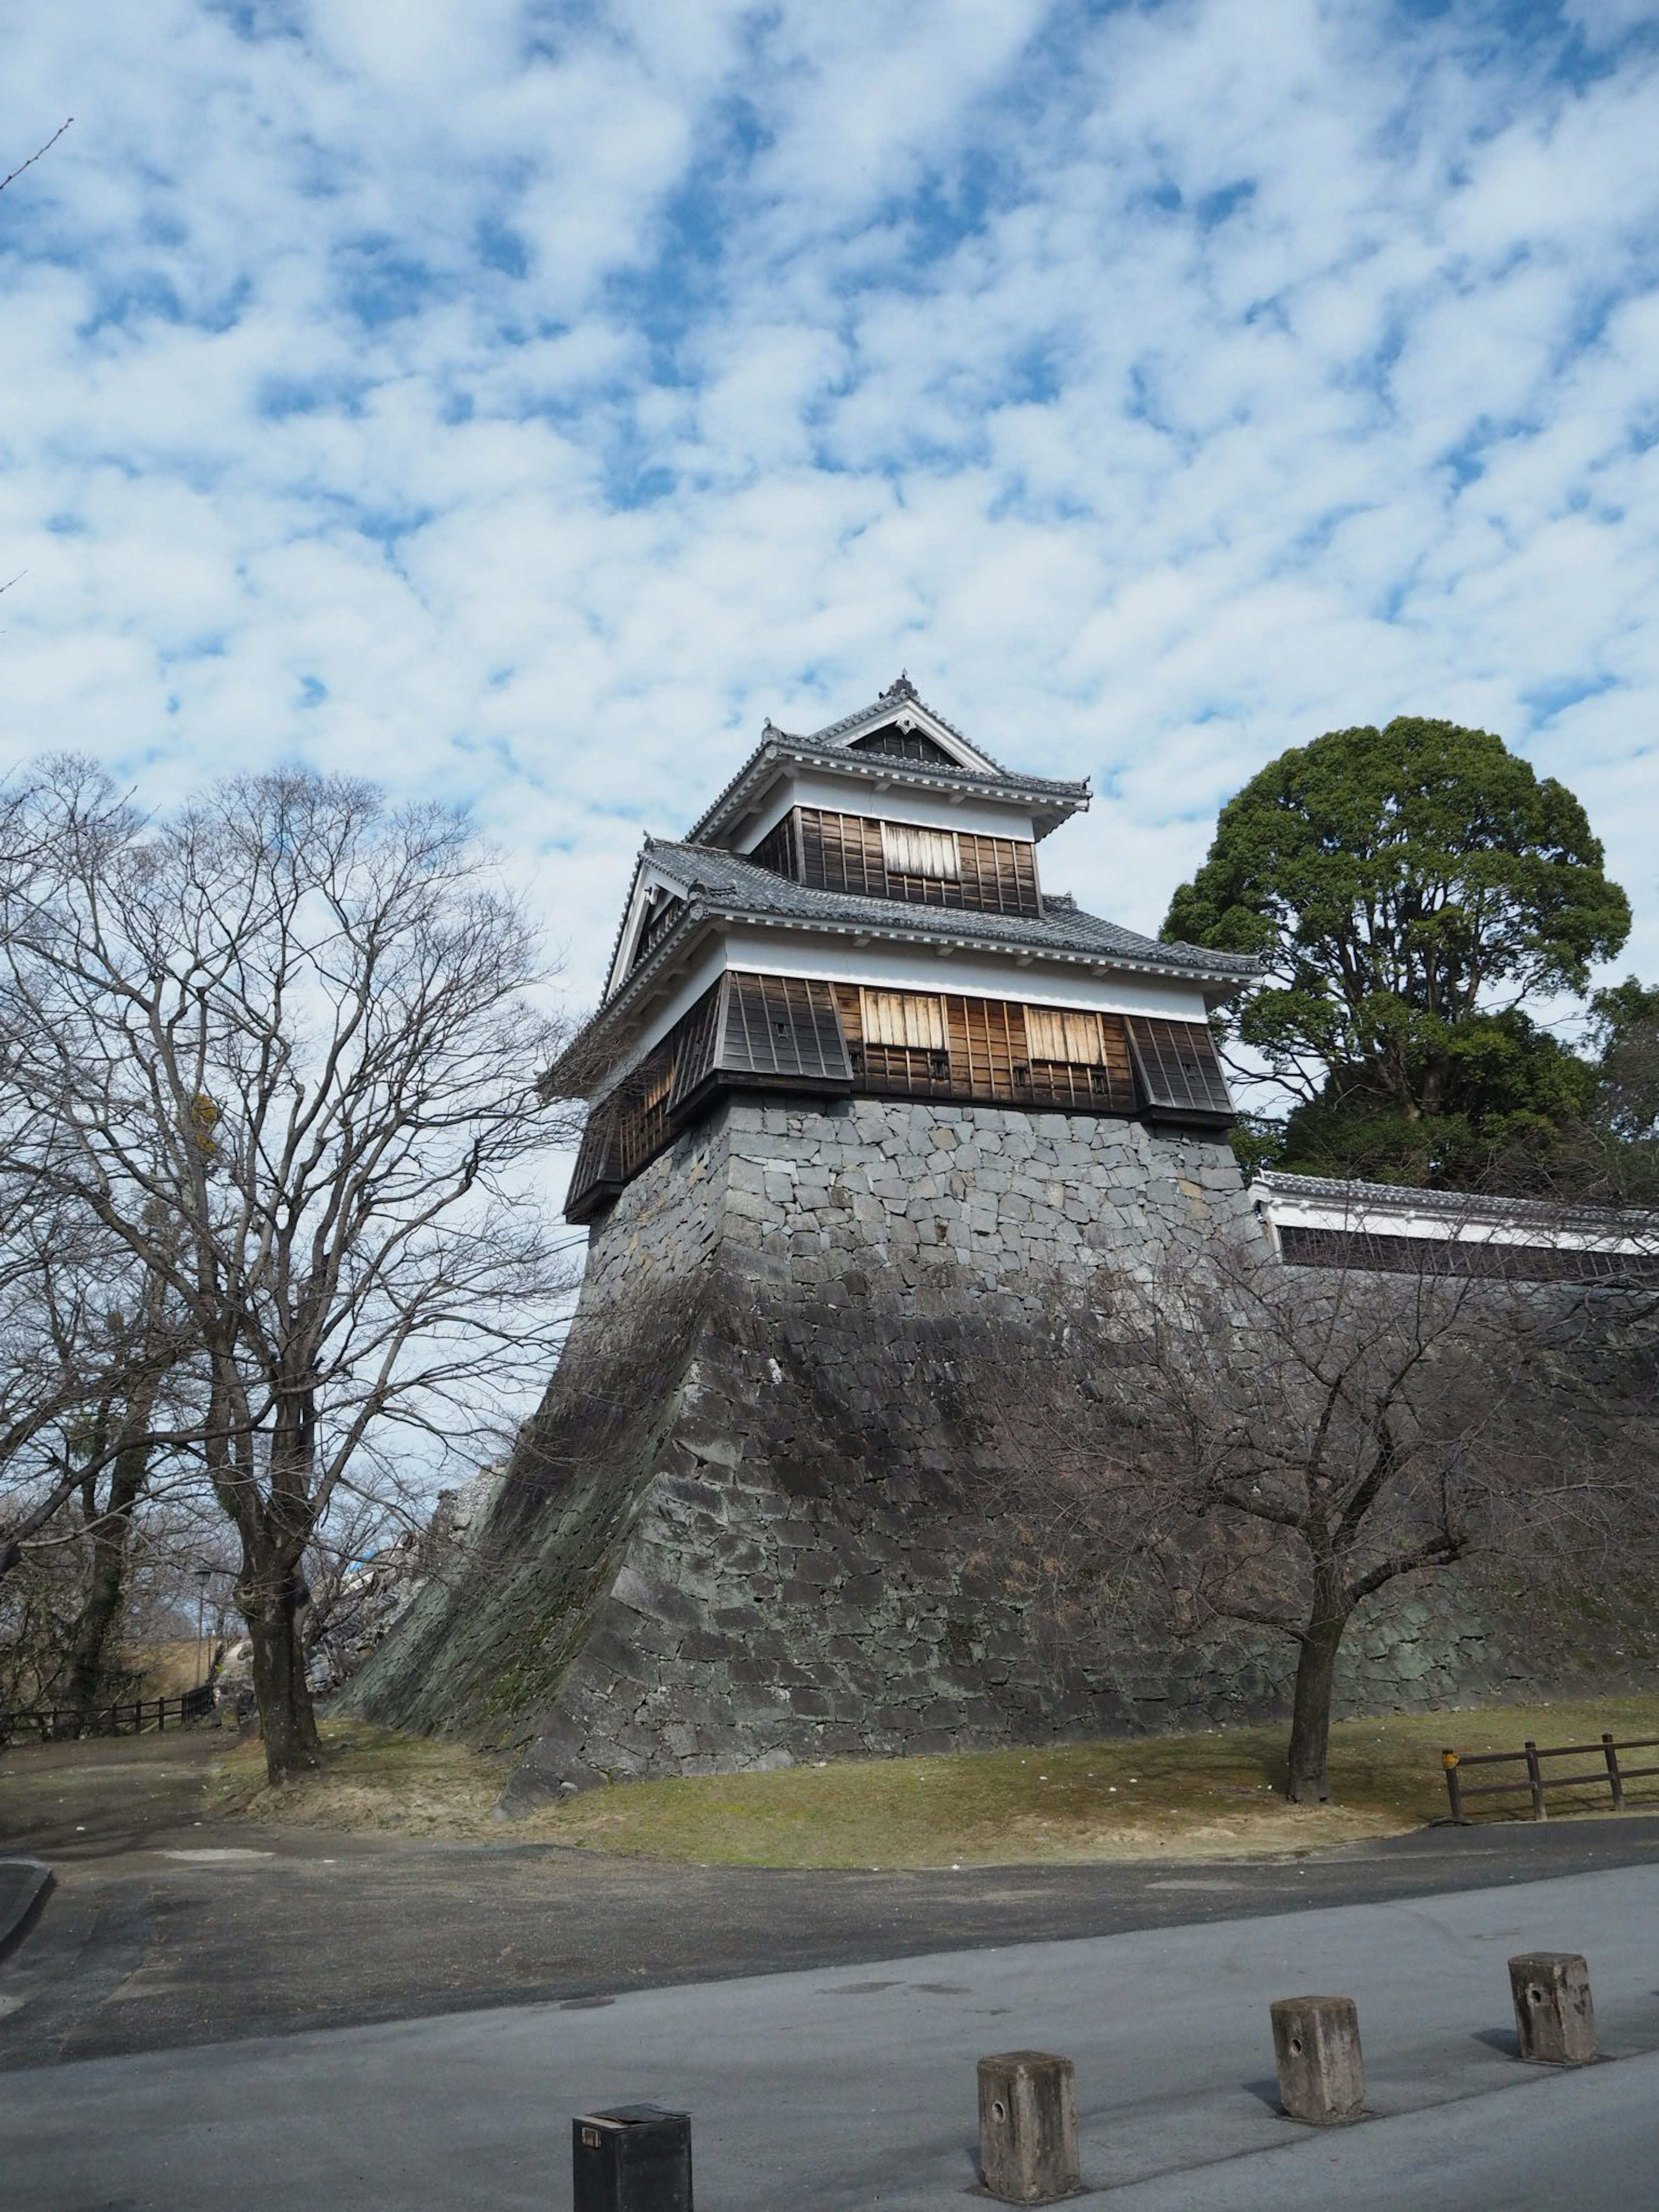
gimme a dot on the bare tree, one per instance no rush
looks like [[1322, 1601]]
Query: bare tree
[[1273, 1446], [293, 1039]]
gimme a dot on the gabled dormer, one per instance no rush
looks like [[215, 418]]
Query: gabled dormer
[[894, 760]]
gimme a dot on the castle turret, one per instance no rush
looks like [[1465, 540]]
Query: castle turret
[[860, 913]]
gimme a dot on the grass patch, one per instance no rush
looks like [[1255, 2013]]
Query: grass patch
[[1211, 1795], [371, 1780]]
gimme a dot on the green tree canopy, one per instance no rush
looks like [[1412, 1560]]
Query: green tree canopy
[[1405, 890]]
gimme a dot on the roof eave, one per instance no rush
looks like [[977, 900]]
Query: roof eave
[[578, 1060], [1057, 802]]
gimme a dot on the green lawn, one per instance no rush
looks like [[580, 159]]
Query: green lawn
[[1215, 1794]]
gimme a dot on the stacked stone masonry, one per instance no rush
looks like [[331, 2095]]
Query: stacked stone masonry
[[755, 1520]]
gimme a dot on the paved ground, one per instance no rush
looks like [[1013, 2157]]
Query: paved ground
[[25, 1885], [164, 1933], [855, 2086]]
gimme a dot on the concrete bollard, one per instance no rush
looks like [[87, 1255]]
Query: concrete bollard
[[1028, 2126], [1553, 2015], [1322, 2076], [636, 2158]]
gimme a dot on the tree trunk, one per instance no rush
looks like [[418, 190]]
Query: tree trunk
[[107, 1587], [271, 1597], [1309, 1782]]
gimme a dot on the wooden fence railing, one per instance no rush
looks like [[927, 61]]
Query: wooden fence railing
[[1535, 1782], [128, 1716]]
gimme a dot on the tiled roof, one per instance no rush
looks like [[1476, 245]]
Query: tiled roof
[[777, 745], [717, 885], [1474, 1208], [738, 887]]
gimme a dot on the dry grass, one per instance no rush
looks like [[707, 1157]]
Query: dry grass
[[1212, 1795], [167, 1669], [372, 1780]]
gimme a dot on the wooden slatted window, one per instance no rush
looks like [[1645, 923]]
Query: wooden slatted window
[[642, 1112], [783, 1026], [842, 852], [777, 851], [1177, 1070], [998, 875]]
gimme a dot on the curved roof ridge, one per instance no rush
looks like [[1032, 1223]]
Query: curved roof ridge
[[898, 693]]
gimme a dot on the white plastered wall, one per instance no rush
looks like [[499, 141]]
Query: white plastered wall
[[839, 959], [856, 794]]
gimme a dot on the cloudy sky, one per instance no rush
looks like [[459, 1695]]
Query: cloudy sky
[[517, 402]]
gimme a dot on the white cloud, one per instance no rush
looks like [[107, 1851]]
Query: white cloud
[[517, 403]]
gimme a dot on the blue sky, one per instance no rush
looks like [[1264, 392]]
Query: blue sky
[[517, 403]]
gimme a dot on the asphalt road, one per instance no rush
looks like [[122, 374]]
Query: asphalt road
[[855, 2085], [164, 1931]]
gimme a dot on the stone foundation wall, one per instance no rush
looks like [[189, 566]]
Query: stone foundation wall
[[760, 1517]]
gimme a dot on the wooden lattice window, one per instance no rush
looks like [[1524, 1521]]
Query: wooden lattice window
[[1079, 1059]]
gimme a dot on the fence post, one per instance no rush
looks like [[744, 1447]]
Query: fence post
[[1615, 1780], [1535, 1778], [1454, 1787]]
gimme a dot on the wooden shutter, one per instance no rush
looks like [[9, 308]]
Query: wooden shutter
[[931, 854], [1061, 1033], [1176, 1069], [694, 1060], [597, 1178], [782, 1026], [904, 1017], [842, 853]]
